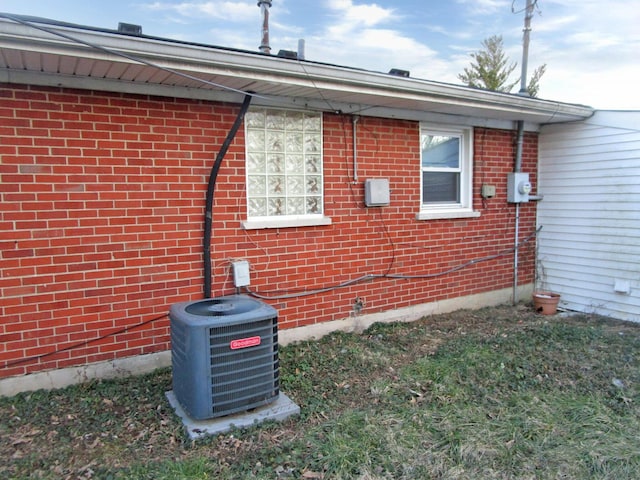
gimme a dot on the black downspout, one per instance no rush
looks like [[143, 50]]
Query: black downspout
[[208, 215]]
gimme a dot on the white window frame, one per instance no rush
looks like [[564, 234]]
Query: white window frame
[[283, 221], [463, 208]]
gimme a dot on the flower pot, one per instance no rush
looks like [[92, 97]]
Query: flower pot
[[546, 303]]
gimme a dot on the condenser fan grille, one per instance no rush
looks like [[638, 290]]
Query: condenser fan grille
[[246, 376]]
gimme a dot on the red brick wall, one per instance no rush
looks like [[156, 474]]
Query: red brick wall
[[102, 199]]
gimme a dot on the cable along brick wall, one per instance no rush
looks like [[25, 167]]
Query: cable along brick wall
[[102, 207]]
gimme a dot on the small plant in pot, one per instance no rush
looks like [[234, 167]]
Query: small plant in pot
[[545, 302]]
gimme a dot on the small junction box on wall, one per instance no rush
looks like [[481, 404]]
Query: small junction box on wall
[[241, 277], [376, 192]]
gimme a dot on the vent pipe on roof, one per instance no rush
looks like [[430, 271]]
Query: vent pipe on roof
[[129, 28], [399, 72], [264, 8]]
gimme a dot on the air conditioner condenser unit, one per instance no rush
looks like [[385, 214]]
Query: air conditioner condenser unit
[[224, 354]]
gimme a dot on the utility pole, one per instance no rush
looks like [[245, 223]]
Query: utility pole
[[528, 14]]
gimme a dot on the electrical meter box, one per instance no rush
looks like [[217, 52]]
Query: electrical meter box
[[376, 192], [518, 187]]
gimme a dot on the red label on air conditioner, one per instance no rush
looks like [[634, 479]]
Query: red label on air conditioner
[[244, 343]]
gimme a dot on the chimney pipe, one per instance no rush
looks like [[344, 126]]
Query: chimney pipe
[[264, 8]]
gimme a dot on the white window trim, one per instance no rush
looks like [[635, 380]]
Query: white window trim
[[285, 222], [464, 209]]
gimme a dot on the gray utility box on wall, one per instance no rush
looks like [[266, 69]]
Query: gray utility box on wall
[[376, 192], [224, 354], [518, 187]]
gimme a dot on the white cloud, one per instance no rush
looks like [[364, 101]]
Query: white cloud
[[609, 89], [360, 15], [228, 11], [594, 42], [483, 7], [371, 37], [226, 24], [550, 24], [351, 19]]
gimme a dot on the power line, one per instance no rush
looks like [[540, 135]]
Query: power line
[[84, 343], [297, 293], [133, 58], [517, 12]]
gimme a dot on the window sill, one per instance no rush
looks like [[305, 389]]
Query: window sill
[[443, 214], [257, 224]]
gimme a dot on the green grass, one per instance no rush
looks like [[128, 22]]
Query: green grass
[[499, 393]]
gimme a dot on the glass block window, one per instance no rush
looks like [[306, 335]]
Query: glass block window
[[284, 163]]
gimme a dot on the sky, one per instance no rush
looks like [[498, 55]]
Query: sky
[[591, 48]]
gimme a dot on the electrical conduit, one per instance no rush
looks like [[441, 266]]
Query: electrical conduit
[[208, 215], [520, 139]]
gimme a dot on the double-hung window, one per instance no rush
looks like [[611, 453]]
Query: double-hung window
[[284, 168], [446, 172]]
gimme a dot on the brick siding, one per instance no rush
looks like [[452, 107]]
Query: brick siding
[[101, 212]]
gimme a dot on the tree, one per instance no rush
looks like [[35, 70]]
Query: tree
[[491, 69], [534, 82]]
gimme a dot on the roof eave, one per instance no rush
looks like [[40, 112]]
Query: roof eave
[[47, 57]]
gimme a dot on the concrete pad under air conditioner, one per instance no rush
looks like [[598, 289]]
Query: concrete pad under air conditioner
[[279, 410]]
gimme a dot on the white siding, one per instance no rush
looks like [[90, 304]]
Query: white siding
[[589, 174]]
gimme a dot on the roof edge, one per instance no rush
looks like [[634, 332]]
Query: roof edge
[[299, 77]]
